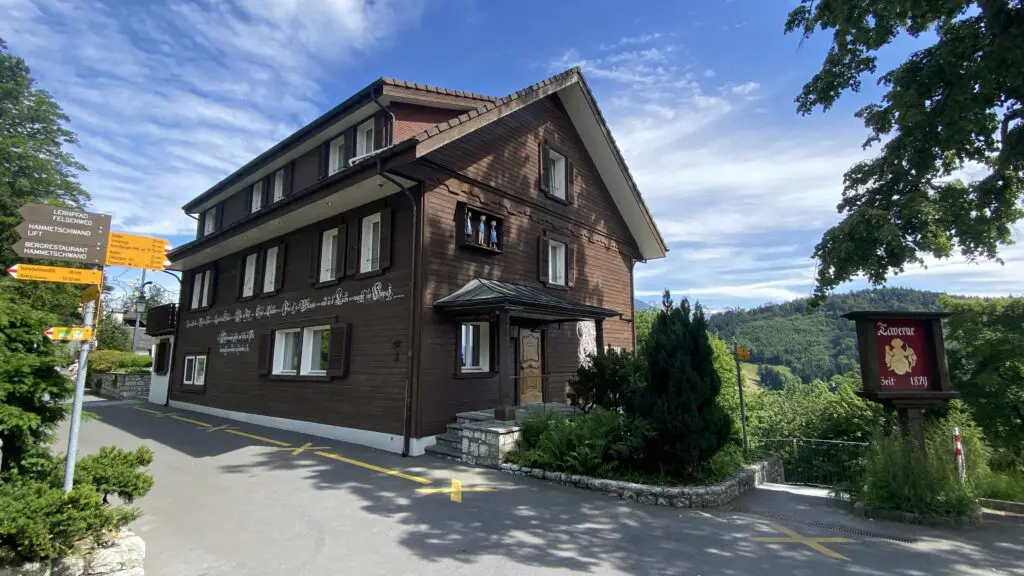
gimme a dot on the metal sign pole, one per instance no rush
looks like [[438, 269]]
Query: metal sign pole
[[76, 407], [739, 382], [135, 329]]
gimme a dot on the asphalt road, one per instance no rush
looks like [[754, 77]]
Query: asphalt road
[[236, 499]]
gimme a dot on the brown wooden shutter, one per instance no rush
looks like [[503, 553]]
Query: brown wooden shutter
[[219, 211], [544, 267], [339, 251], [213, 284], [569, 176], [288, 178], [460, 224], [570, 266], [316, 240], [350, 145], [268, 189], [337, 361], [542, 157], [264, 353], [458, 347], [352, 250], [324, 166], [241, 274], [385, 238], [545, 341], [248, 199], [380, 130], [279, 267]]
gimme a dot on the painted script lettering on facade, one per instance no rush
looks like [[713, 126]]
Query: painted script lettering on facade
[[234, 342], [242, 314]]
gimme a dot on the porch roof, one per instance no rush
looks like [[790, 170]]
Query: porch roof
[[481, 295]]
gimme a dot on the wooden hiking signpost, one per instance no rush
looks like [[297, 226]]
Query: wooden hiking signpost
[[72, 235], [903, 364]]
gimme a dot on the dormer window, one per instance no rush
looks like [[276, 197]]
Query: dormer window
[[279, 185], [364, 138], [557, 174], [336, 160], [210, 221], [256, 197]]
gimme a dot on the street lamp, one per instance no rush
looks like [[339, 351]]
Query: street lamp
[[140, 308]]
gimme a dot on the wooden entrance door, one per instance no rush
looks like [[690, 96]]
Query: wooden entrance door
[[531, 379]]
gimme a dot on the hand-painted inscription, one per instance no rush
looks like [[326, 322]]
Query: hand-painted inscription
[[376, 293], [234, 342]]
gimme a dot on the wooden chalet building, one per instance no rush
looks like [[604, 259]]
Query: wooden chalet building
[[413, 253]]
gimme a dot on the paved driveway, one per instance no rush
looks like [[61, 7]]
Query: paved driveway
[[236, 499]]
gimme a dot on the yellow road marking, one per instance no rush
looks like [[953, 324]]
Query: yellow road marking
[[303, 448], [456, 490], [255, 437], [190, 421], [813, 543], [374, 468], [224, 427], [140, 408]]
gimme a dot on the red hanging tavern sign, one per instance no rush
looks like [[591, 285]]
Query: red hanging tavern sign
[[903, 358]]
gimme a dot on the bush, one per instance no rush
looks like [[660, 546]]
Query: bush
[[723, 464], [599, 443], [678, 403], [604, 382], [1003, 486], [118, 361], [533, 426]]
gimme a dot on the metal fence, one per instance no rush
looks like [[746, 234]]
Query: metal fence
[[815, 462]]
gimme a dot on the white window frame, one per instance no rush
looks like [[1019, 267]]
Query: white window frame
[[336, 161], [309, 351], [270, 269], [466, 342], [210, 221], [328, 267], [256, 202], [361, 138], [279, 185], [197, 291], [280, 336], [193, 376], [249, 275], [207, 285], [556, 263], [558, 169], [367, 263]]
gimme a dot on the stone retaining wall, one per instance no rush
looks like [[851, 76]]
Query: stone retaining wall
[[124, 557], [678, 496], [121, 385], [487, 443]]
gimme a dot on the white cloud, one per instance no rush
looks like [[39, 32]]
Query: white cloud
[[632, 40], [745, 88], [169, 99]]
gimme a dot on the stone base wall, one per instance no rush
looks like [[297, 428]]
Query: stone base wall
[[678, 496], [123, 557], [122, 385], [487, 443]]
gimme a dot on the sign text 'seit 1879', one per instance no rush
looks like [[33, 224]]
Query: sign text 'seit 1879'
[[904, 358]]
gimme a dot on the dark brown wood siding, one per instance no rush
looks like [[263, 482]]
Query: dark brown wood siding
[[235, 207], [411, 119], [307, 169], [372, 394], [496, 169]]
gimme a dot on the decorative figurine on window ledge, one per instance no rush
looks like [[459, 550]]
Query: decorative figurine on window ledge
[[480, 229], [492, 240], [469, 227]]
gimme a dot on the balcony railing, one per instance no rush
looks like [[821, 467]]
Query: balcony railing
[[162, 320]]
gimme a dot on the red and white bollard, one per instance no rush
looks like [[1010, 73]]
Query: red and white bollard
[[961, 464]]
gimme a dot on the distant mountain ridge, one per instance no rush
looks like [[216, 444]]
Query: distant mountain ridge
[[814, 345]]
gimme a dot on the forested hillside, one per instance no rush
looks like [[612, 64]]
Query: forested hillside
[[818, 344]]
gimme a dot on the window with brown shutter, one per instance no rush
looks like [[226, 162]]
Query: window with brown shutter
[[543, 264], [570, 265], [288, 174], [385, 239], [338, 354], [542, 157], [352, 249], [264, 353], [279, 271]]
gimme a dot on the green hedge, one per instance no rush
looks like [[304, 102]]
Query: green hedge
[[118, 361]]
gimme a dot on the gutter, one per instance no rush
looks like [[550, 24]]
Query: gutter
[[412, 378]]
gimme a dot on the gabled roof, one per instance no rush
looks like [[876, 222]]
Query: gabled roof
[[579, 102], [481, 294]]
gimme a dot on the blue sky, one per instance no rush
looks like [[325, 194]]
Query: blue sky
[[170, 96]]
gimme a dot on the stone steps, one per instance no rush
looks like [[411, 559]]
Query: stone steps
[[450, 439], [444, 452]]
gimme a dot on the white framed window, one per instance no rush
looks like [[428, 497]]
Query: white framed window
[[279, 185], [195, 370], [202, 283], [257, 197], [287, 351], [336, 160], [557, 170], [249, 276], [364, 138], [370, 243], [474, 347], [209, 221], [328, 249], [270, 269], [556, 263], [316, 344]]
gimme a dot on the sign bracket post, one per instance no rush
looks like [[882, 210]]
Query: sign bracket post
[[76, 408]]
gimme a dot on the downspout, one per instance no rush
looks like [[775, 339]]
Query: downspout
[[411, 380], [632, 300]]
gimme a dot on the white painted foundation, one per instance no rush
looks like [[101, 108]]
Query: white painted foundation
[[378, 440]]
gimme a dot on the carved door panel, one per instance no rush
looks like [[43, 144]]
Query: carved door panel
[[531, 380]]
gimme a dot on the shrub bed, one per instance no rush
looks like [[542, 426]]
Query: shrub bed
[[118, 361]]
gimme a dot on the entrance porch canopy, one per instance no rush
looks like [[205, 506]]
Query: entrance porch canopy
[[481, 296]]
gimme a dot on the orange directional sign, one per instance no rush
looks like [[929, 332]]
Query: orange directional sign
[[137, 251], [743, 353], [69, 333], [91, 293], [55, 274]]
